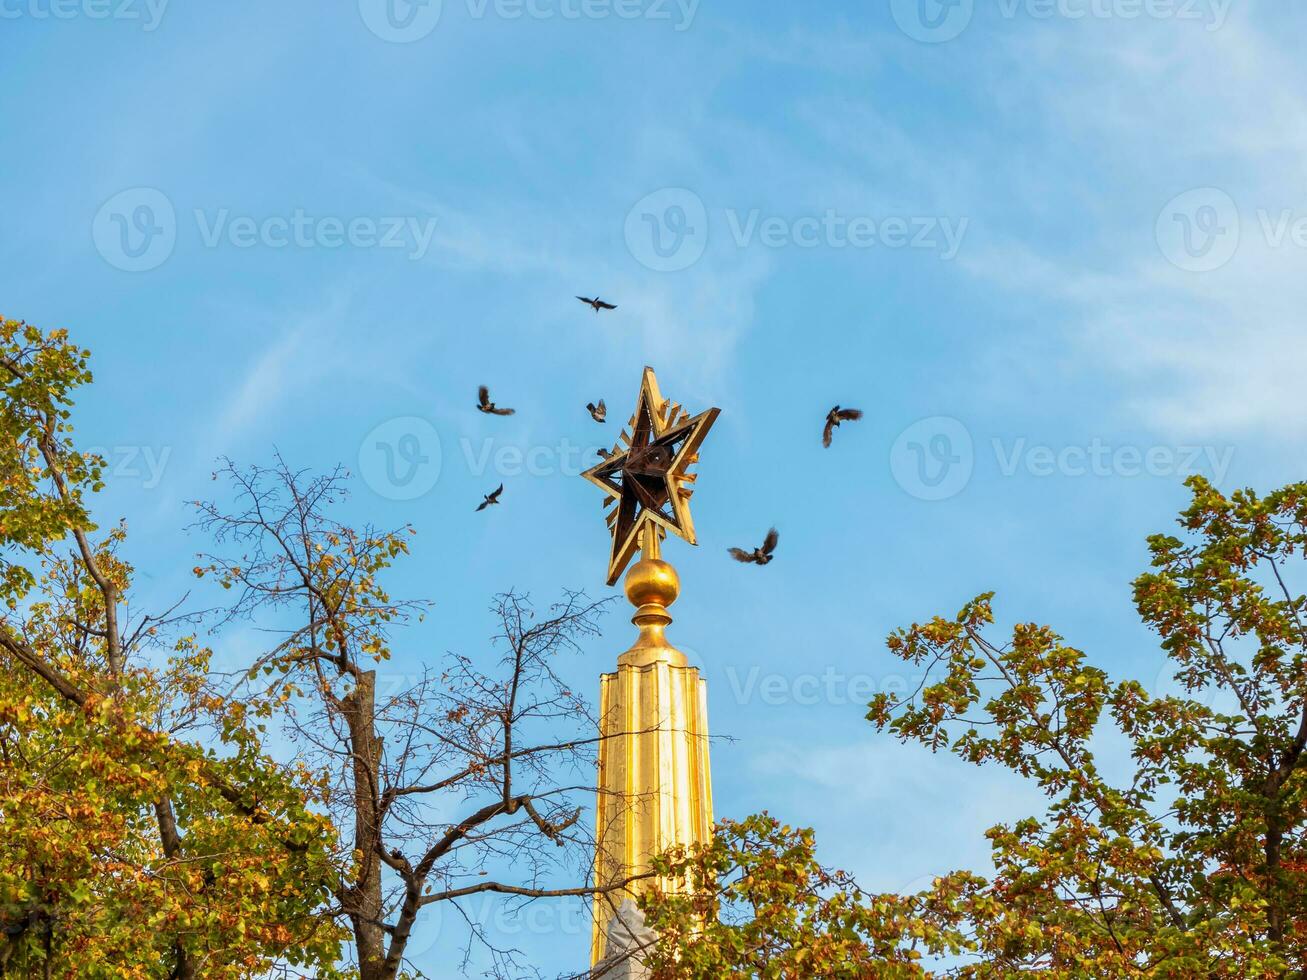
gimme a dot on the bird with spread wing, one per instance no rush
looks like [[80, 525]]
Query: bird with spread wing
[[491, 498], [833, 419], [759, 556], [597, 303], [485, 405], [597, 412]]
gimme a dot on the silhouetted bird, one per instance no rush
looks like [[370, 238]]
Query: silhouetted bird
[[603, 453], [597, 412], [833, 419], [759, 556], [597, 303], [484, 404], [491, 498]]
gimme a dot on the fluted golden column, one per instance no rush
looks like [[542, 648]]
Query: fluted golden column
[[655, 789]]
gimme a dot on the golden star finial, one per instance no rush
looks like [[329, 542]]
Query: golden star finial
[[649, 478]]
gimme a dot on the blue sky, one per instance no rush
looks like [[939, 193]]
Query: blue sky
[[1054, 250]]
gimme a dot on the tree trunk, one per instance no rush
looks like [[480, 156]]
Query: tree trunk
[[364, 900]]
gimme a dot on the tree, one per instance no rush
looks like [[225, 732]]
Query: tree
[[511, 751], [145, 832], [1196, 866], [760, 905], [149, 828]]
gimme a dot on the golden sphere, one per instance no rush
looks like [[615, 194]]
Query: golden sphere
[[652, 580]]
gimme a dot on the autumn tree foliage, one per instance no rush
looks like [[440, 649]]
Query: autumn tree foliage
[[1192, 865], [143, 832], [153, 821], [761, 905]]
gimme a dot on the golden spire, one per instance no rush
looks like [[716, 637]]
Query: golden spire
[[651, 586], [655, 787]]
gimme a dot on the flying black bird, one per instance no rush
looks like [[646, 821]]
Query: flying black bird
[[833, 419], [597, 303], [597, 412], [759, 556], [484, 404], [491, 498]]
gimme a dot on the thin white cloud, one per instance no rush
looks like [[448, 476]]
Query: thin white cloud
[[307, 348], [693, 319], [292, 361], [1215, 353]]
